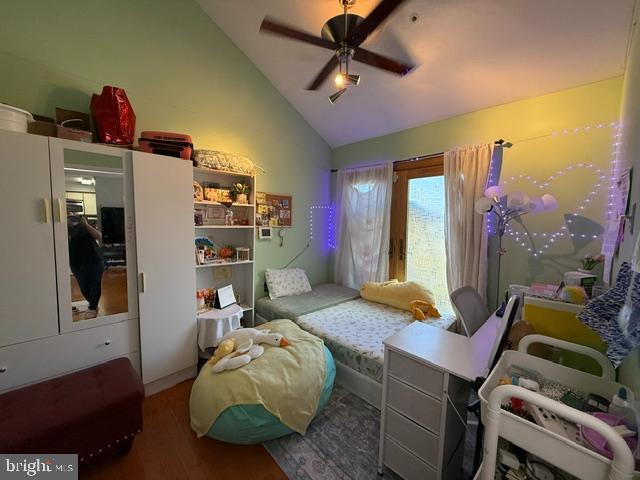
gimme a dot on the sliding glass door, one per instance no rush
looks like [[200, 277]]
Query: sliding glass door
[[417, 245]]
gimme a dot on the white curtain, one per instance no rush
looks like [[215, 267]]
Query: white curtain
[[465, 178], [364, 209]]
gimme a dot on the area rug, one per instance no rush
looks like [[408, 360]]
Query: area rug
[[341, 443]]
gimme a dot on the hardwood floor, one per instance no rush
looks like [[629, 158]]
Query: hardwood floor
[[114, 293], [167, 448]]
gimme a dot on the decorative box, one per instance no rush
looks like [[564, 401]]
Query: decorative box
[[243, 254]]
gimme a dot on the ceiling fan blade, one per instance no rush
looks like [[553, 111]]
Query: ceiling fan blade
[[270, 25], [382, 62], [378, 15], [324, 73]]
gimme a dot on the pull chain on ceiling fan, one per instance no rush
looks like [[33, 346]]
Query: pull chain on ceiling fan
[[344, 34]]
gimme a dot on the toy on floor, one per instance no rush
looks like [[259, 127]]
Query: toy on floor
[[239, 347], [421, 310]]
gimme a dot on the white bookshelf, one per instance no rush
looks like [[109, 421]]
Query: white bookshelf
[[240, 274]]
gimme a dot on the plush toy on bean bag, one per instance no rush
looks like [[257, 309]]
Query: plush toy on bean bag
[[239, 347], [410, 296]]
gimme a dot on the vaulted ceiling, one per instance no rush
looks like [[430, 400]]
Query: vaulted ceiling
[[472, 54]]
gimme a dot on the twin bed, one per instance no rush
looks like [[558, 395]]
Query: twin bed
[[352, 328]]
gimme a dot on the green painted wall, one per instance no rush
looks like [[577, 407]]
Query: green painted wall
[[181, 74], [523, 122]]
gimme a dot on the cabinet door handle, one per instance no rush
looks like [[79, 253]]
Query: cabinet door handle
[[107, 342], [3, 369], [391, 248], [401, 249], [62, 210], [46, 205], [142, 282]]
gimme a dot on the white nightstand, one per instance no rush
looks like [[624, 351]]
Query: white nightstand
[[425, 392]]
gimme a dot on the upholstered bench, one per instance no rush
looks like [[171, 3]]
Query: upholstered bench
[[89, 412]]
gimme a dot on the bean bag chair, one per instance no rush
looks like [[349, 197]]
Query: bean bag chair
[[274, 395]]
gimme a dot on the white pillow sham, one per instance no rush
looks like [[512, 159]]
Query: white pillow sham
[[284, 282]]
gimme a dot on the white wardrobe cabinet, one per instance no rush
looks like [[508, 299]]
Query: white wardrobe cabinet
[[143, 214]]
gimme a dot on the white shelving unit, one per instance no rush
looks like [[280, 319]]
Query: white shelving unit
[[240, 274]]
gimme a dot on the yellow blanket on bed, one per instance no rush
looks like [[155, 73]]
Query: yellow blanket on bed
[[287, 381]]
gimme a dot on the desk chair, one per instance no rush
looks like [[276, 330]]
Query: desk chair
[[499, 345], [470, 307]]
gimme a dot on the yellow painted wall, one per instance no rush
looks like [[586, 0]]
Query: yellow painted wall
[[523, 122], [181, 74]]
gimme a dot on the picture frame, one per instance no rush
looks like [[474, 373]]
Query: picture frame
[[215, 212], [225, 297]]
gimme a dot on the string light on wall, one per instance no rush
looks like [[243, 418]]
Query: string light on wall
[[520, 234], [330, 228]]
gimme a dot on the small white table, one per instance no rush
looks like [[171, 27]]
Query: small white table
[[214, 323], [425, 392]]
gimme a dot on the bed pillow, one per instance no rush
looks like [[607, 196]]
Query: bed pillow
[[286, 281], [397, 294]]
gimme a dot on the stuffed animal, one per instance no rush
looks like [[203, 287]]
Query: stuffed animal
[[224, 348], [247, 341], [574, 294], [243, 355], [243, 335], [421, 310], [401, 295]]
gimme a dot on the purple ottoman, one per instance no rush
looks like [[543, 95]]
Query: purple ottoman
[[89, 413]]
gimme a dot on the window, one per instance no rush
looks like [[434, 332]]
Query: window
[[417, 247]]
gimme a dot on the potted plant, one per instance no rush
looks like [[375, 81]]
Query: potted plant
[[589, 262], [240, 192]]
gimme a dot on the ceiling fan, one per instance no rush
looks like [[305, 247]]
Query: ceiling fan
[[344, 34]]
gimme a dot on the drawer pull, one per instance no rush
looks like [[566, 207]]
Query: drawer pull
[[3, 369], [107, 342]]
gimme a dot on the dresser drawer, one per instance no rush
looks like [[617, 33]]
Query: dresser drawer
[[408, 466], [37, 360], [420, 376], [419, 441], [414, 404]]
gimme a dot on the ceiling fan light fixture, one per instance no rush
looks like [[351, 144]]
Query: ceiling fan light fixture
[[341, 80], [353, 80], [335, 96]]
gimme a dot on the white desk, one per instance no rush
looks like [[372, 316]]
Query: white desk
[[425, 392]]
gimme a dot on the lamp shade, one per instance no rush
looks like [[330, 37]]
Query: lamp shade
[[550, 202], [494, 192], [518, 200], [536, 205], [483, 205]]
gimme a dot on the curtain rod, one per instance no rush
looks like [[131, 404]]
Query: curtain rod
[[502, 142], [412, 159]]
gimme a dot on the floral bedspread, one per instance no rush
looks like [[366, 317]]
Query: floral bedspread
[[354, 332]]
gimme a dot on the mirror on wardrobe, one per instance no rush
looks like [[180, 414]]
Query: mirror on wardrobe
[[94, 197]]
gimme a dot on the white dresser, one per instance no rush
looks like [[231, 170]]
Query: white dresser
[[425, 392]]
